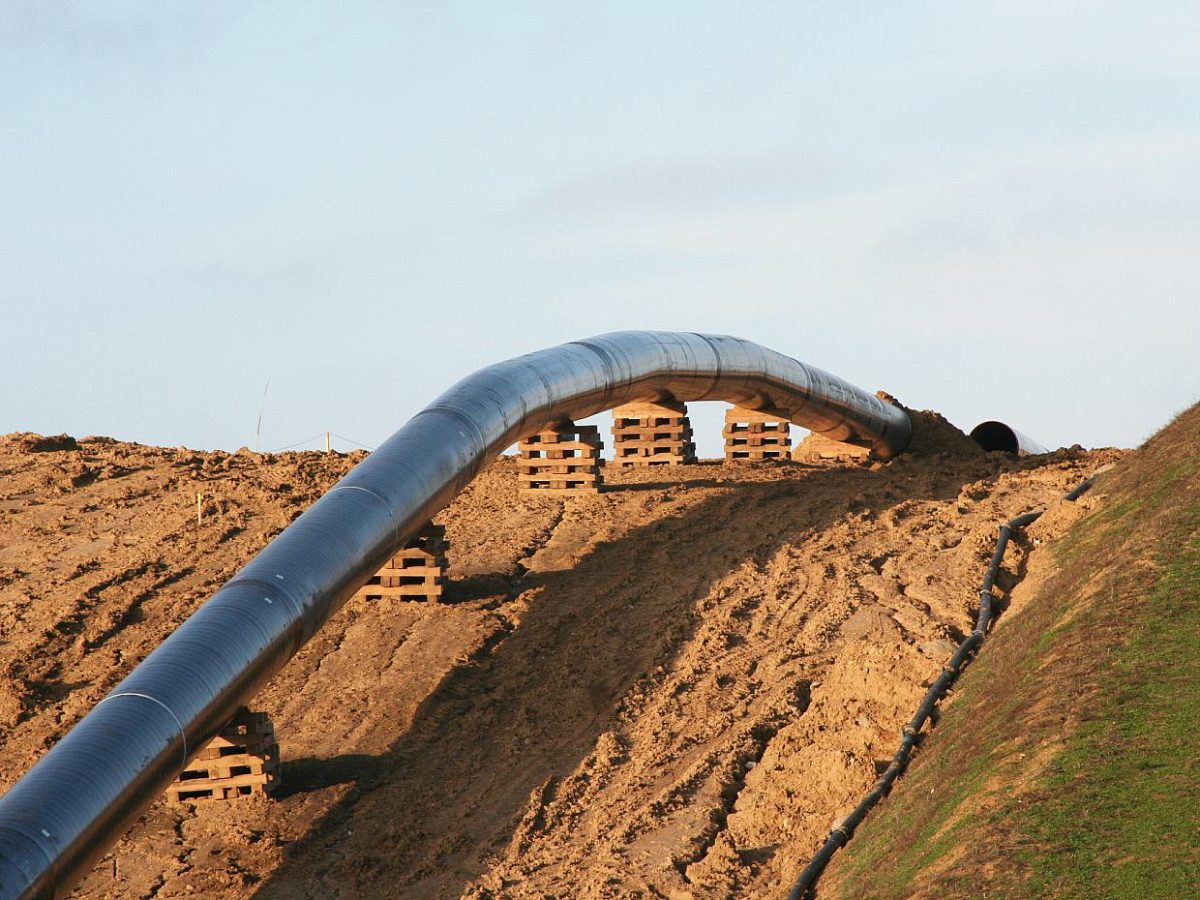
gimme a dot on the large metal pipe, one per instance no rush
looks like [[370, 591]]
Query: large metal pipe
[[79, 798], [993, 436]]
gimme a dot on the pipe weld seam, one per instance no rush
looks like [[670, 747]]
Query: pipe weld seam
[[386, 505], [170, 712], [458, 414]]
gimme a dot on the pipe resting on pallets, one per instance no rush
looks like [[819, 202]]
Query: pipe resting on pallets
[[844, 830], [79, 798]]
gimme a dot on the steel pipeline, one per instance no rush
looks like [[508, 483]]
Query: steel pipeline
[[79, 798]]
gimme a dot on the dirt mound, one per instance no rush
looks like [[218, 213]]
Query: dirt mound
[[28, 442], [933, 433], [668, 689]]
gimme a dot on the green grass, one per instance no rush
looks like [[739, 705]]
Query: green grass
[[1120, 811], [1112, 523]]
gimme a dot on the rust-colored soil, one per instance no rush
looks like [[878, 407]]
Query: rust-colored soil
[[666, 690]]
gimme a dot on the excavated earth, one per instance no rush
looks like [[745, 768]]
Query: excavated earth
[[669, 689]]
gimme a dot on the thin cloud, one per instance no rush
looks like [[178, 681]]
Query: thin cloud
[[696, 184]]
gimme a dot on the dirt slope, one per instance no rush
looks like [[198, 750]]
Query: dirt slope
[[668, 689], [1067, 764]]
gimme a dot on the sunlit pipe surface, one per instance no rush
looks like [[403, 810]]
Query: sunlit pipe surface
[[998, 436], [80, 797]]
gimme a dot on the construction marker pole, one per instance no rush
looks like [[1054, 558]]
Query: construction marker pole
[[327, 444], [844, 830], [199, 507]]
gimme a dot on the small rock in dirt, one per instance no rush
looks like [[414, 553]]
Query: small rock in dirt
[[869, 622], [12, 705], [937, 649]]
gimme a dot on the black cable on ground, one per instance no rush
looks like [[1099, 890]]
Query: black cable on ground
[[908, 737]]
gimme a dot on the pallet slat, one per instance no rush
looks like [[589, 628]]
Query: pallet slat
[[756, 454], [651, 432], [587, 448], [226, 789], [758, 440], [557, 490], [228, 767], [547, 464]]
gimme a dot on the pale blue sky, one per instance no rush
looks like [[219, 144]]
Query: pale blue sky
[[991, 209]]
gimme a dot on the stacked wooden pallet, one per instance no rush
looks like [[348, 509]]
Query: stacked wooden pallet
[[754, 435], [564, 459], [652, 434], [819, 450], [241, 761], [418, 572]]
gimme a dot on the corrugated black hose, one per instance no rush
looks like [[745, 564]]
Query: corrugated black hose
[[908, 739]]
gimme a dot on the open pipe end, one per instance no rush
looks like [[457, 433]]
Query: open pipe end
[[992, 436], [995, 436]]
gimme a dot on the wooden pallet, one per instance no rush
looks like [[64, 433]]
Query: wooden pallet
[[652, 434], [644, 413], [653, 449], [817, 449], [561, 460], [241, 761], [752, 435], [756, 439], [224, 789], [756, 454], [417, 572]]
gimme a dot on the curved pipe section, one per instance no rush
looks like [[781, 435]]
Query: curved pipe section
[[992, 436], [80, 797]]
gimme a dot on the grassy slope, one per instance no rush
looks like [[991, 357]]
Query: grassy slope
[[1068, 764]]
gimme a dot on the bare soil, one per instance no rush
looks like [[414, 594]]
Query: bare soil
[[667, 690]]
